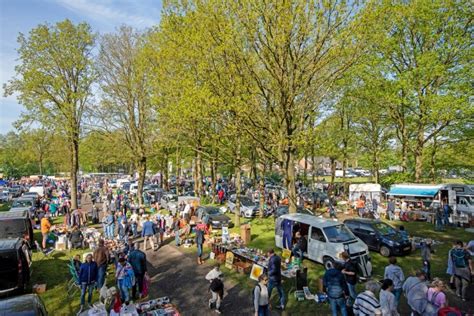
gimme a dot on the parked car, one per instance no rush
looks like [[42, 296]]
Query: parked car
[[133, 188], [23, 305], [5, 196], [16, 191], [379, 236], [214, 216], [327, 239], [310, 196], [22, 204], [33, 195], [171, 201], [15, 262], [17, 224], [248, 208]]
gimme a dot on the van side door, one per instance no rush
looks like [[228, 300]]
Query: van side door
[[316, 244], [278, 233]]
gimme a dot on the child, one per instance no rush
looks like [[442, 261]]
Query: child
[[426, 257], [77, 262]]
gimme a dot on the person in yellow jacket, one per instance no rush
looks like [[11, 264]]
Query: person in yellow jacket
[[45, 227]]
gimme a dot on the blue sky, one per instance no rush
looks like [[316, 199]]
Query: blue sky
[[22, 15]]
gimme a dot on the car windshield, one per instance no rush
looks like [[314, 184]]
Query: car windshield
[[213, 211], [245, 201], [22, 203], [173, 198], [385, 229], [338, 233]]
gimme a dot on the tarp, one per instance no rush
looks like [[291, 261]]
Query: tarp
[[3, 182], [414, 191]]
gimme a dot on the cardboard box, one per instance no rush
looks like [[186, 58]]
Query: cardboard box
[[60, 246], [245, 234], [39, 288]]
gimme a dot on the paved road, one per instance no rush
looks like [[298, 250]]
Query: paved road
[[176, 274]]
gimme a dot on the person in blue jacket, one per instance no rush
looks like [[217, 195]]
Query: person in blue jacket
[[137, 260], [148, 233], [274, 275], [87, 279]]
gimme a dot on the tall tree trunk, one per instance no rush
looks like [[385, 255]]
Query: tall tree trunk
[[433, 160], [418, 153], [165, 171], [74, 169], [290, 179], [376, 166], [238, 185], [262, 191], [333, 174], [404, 150], [214, 177], [141, 166], [178, 171], [313, 166], [199, 172], [305, 171]]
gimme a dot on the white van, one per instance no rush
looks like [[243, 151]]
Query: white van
[[327, 239], [38, 189]]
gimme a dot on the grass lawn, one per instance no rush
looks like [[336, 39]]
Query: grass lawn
[[53, 271], [262, 231], [4, 207]]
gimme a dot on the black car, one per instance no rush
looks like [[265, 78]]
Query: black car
[[284, 209], [17, 224], [24, 305], [379, 236], [213, 215], [15, 262]]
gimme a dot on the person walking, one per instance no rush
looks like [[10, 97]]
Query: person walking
[[388, 304], [176, 230], [125, 279], [274, 274], [87, 279], [335, 287], [391, 209], [261, 297], [350, 274], [395, 273], [462, 269], [148, 233], [200, 231], [216, 287], [366, 303], [426, 257], [101, 258], [436, 295], [110, 225], [416, 292], [45, 227], [137, 260]]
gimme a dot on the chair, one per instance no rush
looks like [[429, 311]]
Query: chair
[[73, 285]]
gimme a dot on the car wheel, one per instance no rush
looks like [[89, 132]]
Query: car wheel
[[384, 251], [328, 262]]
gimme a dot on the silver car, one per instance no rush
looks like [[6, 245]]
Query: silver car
[[248, 208]]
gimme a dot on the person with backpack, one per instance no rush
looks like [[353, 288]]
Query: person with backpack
[[416, 292], [462, 269], [261, 297], [336, 288], [436, 295], [216, 287]]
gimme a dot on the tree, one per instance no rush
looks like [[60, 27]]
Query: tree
[[126, 106], [425, 51], [54, 81]]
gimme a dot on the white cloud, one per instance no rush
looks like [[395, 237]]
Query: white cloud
[[108, 12]]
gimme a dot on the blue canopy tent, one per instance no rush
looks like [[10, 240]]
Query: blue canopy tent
[[428, 191], [3, 182]]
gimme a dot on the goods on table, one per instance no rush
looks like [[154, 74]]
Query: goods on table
[[157, 307]]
